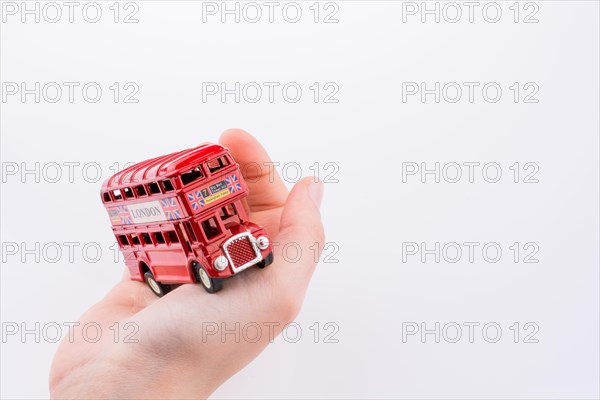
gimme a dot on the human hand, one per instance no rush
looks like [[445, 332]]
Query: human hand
[[173, 358]]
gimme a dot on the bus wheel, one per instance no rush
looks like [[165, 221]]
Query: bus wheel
[[211, 285], [157, 288], [266, 261]]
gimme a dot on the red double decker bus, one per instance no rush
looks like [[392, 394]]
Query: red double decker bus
[[179, 218]]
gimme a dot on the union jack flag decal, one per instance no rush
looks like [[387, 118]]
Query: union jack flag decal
[[233, 183], [171, 208], [123, 214], [196, 200]]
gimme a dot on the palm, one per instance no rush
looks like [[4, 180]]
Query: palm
[[181, 317]]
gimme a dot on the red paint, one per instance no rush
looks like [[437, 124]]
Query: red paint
[[172, 212]]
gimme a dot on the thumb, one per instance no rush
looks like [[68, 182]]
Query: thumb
[[301, 233]]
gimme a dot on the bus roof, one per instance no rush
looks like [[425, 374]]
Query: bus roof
[[163, 166]]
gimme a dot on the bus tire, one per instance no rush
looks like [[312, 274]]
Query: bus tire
[[157, 288], [211, 285], [267, 261]]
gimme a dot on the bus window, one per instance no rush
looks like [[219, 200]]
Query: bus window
[[210, 228], [191, 176], [123, 240], [135, 239], [172, 237], [159, 237], [117, 194], [190, 230], [140, 190], [106, 197], [128, 192], [217, 164], [146, 238], [167, 185], [153, 187]]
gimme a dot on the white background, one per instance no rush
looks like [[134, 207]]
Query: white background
[[370, 293]]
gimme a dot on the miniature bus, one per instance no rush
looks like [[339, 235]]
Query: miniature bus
[[179, 218]]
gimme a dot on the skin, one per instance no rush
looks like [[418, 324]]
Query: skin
[[180, 351]]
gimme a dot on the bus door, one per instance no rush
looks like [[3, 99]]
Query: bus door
[[185, 240], [190, 241]]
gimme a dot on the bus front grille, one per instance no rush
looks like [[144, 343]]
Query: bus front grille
[[241, 252]]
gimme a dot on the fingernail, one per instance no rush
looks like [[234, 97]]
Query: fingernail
[[315, 192]]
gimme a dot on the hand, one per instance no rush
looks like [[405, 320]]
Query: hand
[[173, 358]]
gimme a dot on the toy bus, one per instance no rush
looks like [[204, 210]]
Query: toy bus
[[179, 218]]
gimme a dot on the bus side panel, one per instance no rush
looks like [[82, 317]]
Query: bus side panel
[[169, 263]]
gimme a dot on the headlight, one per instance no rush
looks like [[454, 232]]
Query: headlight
[[262, 242], [220, 263]]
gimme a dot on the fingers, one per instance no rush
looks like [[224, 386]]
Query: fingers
[[267, 190], [300, 241]]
